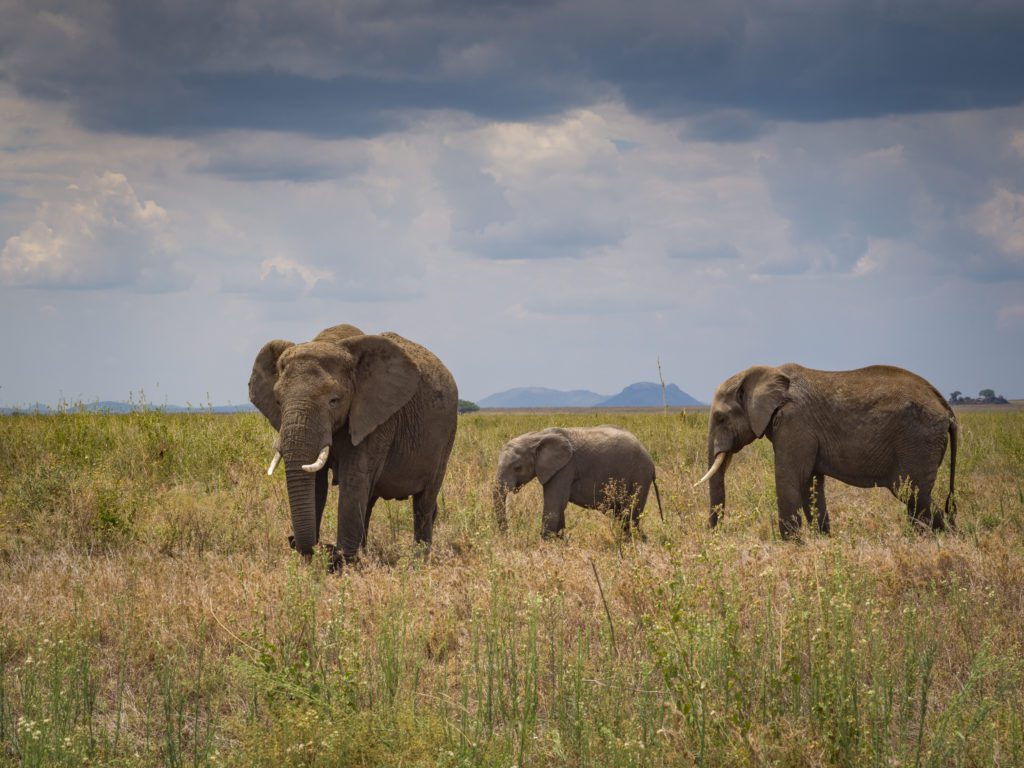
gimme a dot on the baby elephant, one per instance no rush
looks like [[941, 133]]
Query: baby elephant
[[597, 467]]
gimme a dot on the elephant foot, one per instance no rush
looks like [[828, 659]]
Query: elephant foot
[[337, 560], [787, 533], [924, 527], [291, 541]]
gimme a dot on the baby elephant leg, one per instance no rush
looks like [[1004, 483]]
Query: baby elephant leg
[[920, 510], [632, 508], [556, 499]]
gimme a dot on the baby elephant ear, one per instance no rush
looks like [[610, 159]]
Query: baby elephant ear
[[263, 378], [764, 391], [553, 453], [385, 380]]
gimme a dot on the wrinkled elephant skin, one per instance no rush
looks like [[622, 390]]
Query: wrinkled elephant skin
[[378, 411]]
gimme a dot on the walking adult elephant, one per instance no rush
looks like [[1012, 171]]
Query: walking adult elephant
[[378, 411], [875, 426]]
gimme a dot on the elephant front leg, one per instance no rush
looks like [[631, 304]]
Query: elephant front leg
[[789, 493], [556, 499], [795, 457], [353, 505]]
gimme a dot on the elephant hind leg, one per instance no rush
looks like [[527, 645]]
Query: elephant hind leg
[[920, 510], [366, 520], [815, 508], [424, 509], [424, 503], [628, 516], [629, 508], [916, 491]]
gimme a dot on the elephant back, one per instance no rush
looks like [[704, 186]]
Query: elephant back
[[436, 378]]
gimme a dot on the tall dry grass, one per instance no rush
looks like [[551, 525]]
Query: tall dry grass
[[151, 613]]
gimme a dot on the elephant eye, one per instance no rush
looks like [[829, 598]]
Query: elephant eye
[[335, 400]]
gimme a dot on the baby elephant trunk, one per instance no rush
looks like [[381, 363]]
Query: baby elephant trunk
[[498, 495]]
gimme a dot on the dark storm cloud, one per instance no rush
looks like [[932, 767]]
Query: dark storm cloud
[[725, 125], [335, 107], [828, 60], [184, 67]]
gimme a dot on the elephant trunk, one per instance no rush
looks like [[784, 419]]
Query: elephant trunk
[[716, 481], [302, 438], [499, 494], [302, 434], [301, 498]]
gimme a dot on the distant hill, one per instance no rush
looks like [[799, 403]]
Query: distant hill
[[640, 395], [112, 406], [541, 397], [648, 394]]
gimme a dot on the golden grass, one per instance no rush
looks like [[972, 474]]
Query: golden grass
[[152, 613]]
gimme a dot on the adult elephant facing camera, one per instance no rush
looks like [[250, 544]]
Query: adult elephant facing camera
[[379, 411], [875, 426]]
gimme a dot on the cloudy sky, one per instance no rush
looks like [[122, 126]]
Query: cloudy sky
[[543, 193]]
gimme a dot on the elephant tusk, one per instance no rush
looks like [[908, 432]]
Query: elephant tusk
[[317, 465], [277, 456], [274, 462], [719, 460]]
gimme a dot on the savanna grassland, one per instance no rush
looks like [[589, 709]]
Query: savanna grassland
[[152, 614]]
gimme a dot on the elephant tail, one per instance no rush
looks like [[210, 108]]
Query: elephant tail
[[954, 430], [657, 495]]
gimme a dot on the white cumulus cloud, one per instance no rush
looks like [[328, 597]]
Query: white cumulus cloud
[[1001, 220], [95, 234]]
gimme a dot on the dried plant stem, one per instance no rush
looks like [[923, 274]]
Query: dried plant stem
[[604, 602]]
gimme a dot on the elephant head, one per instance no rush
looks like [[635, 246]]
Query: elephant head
[[535, 454], [741, 412], [310, 392]]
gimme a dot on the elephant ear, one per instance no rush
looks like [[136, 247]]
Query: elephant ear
[[385, 380], [763, 391], [553, 452], [263, 378]]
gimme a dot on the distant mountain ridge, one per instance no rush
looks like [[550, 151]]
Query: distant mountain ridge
[[646, 394], [112, 406], [541, 397], [643, 394]]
